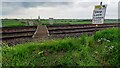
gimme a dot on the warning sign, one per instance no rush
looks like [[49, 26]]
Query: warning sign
[[99, 14]]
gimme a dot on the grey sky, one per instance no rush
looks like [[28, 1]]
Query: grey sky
[[80, 9]]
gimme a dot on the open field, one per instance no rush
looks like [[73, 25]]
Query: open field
[[100, 49], [11, 23], [24, 22]]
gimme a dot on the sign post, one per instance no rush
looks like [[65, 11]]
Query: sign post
[[30, 23], [51, 21], [38, 18], [99, 14]]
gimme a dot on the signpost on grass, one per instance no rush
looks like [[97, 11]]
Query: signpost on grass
[[30, 23], [38, 18], [51, 21], [99, 14]]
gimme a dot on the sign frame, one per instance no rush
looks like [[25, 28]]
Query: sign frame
[[99, 14]]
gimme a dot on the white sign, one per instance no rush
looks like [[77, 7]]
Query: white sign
[[38, 18], [99, 14], [31, 23], [51, 21]]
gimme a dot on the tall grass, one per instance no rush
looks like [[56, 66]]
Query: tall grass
[[82, 51]]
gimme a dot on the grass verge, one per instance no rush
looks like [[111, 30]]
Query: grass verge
[[100, 49]]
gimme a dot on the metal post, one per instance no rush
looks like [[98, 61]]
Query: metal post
[[96, 27], [100, 3]]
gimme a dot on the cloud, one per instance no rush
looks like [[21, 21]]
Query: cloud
[[60, 0], [11, 7], [34, 4], [38, 1], [73, 9]]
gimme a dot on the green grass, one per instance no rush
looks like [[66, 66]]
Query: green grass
[[7, 23], [19, 22], [111, 21], [100, 49]]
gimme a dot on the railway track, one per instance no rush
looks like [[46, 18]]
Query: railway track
[[75, 30], [16, 35]]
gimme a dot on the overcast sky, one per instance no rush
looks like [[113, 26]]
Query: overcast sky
[[68, 9]]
